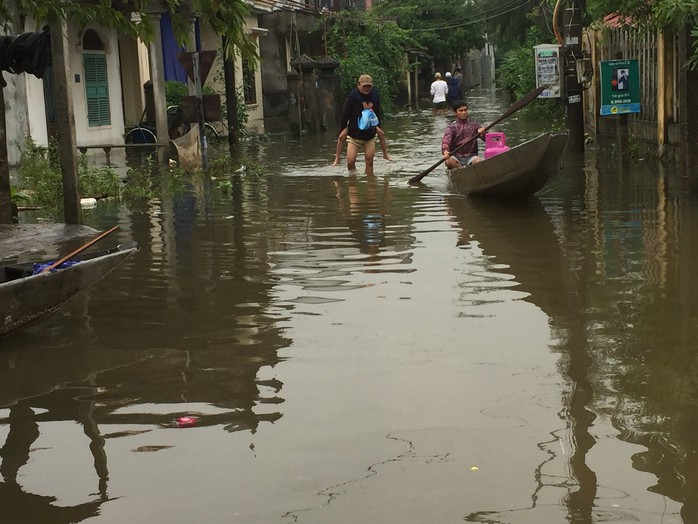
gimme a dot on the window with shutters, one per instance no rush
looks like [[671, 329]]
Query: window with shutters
[[96, 80]]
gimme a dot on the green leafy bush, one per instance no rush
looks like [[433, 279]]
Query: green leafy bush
[[174, 92], [97, 182], [364, 44], [517, 74], [42, 181]]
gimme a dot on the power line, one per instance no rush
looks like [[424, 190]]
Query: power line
[[475, 19]]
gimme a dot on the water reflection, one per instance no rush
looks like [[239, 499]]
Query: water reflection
[[208, 317], [624, 238], [365, 209], [520, 240], [602, 273], [182, 329], [24, 420]]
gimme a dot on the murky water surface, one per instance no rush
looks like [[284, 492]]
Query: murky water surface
[[361, 351]]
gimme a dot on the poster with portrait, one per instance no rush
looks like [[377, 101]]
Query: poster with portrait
[[620, 87], [619, 80]]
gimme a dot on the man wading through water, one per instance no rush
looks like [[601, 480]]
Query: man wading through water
[[360, 138]]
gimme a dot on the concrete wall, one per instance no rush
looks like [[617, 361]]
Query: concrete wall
[[24, 100], [313, 101], [134, 73], [289, 36], [17, 118]]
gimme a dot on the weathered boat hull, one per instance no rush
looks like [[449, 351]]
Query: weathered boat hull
[[519, 172], [29, 298]]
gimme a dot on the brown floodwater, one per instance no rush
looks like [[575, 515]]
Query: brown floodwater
[[357, 350]]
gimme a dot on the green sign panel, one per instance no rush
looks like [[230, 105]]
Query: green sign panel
[[620, 87]]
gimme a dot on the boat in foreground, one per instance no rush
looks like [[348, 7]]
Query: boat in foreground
[[26, 297], [519, 172]]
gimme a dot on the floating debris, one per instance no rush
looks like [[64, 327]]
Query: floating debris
[[143, 449], [186, 421]]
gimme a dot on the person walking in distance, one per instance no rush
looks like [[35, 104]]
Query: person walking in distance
[[455, 93], [439, 90], [459, 76]]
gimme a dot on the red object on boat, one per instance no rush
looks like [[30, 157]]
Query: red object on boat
[[187, 421]]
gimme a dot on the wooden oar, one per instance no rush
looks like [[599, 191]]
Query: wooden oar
[[80, 249], [513, 109]]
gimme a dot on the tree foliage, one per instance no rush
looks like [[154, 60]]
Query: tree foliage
[[517, 74], [508, 24], [362, 43], [446, 29], [226, 18], [657, 13]]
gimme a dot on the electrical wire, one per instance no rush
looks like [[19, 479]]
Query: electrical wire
[[480, 19], [497, 9]]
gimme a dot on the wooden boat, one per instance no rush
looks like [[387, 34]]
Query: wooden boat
[[519, 172], [25, 297]]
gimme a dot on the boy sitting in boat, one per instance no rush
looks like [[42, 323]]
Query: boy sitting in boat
[[457, 133]]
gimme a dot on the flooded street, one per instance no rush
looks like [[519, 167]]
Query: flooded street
[[358, 350]]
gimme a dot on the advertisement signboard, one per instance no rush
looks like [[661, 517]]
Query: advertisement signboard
[[620, 87], [548, 69]]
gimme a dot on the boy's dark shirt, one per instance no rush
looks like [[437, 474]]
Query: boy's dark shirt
[[353, 106]]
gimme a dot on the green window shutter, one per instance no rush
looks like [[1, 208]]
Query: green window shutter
[[96, 89]]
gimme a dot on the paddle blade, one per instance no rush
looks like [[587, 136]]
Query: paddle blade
[[523, 101]]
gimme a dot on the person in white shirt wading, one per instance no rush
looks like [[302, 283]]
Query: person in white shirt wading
[[439, 90]]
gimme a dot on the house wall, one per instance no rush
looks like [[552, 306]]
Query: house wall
[[133, 58], [24, 109], [36, 112], [113, 133], [216, 79], [290, 35], [255, 112], [17, 116], [25, 97]]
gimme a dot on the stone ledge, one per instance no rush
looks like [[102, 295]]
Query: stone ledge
[[41, 240]]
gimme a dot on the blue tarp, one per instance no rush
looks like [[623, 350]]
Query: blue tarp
[[170, 49]]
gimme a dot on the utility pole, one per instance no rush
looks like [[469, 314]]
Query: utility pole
[[5, 194], [231, 100], [572, 33], [65, 120], [196, 69]]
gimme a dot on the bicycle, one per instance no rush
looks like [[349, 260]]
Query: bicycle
[[142, 133], [145, 132], [178, 128]]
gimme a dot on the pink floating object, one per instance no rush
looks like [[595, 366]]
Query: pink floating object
[[186, 422]]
